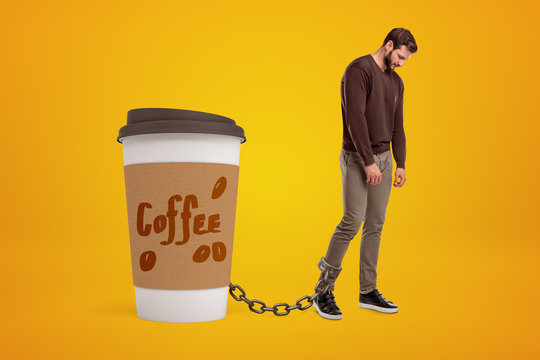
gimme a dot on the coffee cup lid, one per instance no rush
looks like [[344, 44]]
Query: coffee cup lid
[[165, 120]]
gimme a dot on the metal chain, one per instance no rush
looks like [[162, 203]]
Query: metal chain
[[275, 308]]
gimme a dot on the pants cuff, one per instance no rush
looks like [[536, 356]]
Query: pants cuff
[[367, 290]]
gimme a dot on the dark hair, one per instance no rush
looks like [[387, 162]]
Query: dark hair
[[401, 36]]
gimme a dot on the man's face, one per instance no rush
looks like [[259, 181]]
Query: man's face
[[397, 57]]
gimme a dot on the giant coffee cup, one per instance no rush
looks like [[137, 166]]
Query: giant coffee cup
[[181, 172]]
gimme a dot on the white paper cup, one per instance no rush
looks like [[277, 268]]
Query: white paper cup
[[181, 305]]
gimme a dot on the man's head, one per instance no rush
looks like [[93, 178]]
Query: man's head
[[398, 46]]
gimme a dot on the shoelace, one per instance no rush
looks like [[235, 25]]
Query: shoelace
[[330, 303], [378, 293]]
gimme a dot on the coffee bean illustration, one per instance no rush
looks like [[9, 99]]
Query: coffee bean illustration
[[219, 188], [219, 251], [147, 260], [201, 254]]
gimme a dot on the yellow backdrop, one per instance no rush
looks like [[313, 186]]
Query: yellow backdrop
[[460, 242]]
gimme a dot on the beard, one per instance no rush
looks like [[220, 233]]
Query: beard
[[388, 62]]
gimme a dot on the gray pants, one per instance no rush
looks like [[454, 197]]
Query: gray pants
[[366, 203]]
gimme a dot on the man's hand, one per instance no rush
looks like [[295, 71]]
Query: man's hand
[[373, 174], [400, 175]]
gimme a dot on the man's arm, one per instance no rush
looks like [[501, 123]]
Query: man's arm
[[398, 136], [356, 83]]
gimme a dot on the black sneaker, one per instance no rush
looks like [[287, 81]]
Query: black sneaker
[[326, 306], [375, 301]]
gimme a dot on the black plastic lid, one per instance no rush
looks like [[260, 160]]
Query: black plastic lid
[[164, 120]]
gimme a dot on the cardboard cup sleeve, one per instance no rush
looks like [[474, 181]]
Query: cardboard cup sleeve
[[181, 223]]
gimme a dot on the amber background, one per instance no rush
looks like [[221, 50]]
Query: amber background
[[460, 247]]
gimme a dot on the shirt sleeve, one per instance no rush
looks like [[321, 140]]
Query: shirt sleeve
[[356, 83], [398, 135]]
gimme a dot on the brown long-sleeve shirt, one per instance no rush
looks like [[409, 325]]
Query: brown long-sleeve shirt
[[372, 110]]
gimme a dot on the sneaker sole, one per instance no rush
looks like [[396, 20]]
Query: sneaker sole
[[326, 316], [378, 308]]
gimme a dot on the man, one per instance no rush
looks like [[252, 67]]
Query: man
[[372, 111]]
